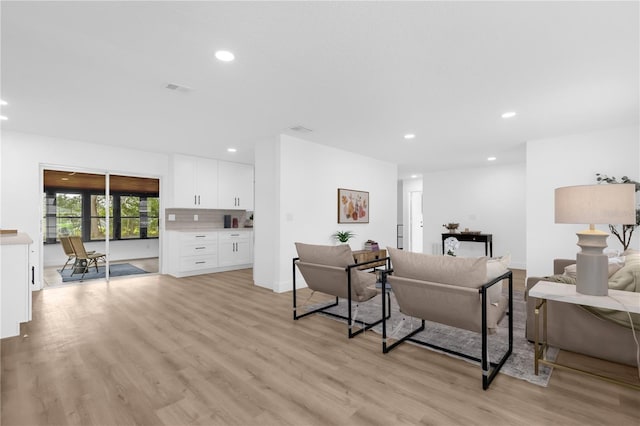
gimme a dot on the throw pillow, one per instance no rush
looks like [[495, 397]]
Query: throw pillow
[[615, 264]]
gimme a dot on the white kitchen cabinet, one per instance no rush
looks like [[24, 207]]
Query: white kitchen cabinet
[[235, 248], [191, 253], [235, 186], [15, 289], [195, 253], [195, 182]]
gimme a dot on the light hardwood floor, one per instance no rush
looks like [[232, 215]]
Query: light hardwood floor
[[214, 349]]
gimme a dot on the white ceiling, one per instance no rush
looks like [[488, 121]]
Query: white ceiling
[[359, 74]]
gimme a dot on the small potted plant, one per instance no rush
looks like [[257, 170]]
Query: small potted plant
[[343, 236]]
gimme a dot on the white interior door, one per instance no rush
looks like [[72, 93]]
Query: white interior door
[[415, 227]]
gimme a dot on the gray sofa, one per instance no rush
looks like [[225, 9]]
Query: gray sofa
[[572, 328]]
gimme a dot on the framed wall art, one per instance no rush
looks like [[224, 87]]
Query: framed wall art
[[353, 206]]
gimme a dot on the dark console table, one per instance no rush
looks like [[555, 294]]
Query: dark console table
[[487, 239]]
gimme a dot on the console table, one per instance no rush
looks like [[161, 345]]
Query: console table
[[360, 256], [487, 239], [625, 301]]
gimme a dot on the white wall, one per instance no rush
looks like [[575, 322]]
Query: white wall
[[22, 157], [305, 207], [266, 225], [489, 199], [565, 161]]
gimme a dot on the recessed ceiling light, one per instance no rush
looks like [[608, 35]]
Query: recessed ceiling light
[[231, 150], [2, 117], [409, 136], [414, 176], [3, 102], [509, 114], [491, 158], [225, 56]]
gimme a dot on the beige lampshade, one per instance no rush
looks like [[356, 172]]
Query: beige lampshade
[[596, 204]]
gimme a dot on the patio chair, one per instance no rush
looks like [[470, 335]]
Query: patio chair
[[84, 259], [68, 251]]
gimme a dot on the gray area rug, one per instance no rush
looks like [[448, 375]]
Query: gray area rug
[[518, 365], [115, 270]]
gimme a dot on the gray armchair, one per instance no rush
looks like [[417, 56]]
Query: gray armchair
[[451, 291], [332, 270]]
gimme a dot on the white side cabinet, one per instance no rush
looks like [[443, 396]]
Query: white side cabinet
[[235, 248], [195, 253], [15, 296], [190, 253], [195, 182], [235, 186]]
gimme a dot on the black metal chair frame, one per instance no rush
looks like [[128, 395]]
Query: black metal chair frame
[[488, 374], [350, 322]]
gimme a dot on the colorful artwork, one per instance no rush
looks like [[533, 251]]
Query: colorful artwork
[[353, 206]]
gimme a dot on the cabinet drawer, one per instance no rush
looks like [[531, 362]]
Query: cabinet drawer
[[199, 249], [198, 237], [234, 235], [198, 262]]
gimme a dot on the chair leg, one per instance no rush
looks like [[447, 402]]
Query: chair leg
[[65, 265]]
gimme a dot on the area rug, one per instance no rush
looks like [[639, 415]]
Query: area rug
[[115, 270], [519, 364]]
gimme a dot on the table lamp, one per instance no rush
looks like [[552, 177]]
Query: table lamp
[[594, 204]]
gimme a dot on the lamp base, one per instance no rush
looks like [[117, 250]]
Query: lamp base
[[592, 267]]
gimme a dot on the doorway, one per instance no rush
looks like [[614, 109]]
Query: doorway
[[114, 215], [415, 221]]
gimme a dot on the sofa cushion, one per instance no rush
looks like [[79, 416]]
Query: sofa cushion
[[460, 271]]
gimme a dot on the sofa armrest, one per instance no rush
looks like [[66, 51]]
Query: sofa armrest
[[560, 264]]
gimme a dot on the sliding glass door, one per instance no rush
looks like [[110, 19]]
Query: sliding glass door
[[114, 215]]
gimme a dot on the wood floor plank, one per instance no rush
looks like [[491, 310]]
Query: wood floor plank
[[217, 350]]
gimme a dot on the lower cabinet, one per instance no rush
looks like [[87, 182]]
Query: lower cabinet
[[194, 253], [235, 248], [15, 291]]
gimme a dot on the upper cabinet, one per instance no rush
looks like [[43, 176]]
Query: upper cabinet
[[235, 186], [195, 182]]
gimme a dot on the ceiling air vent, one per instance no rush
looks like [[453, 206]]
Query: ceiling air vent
[[177, 87], [300, 129]]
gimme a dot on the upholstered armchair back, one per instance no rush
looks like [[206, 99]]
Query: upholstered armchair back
[[325, 269], [444, 289]]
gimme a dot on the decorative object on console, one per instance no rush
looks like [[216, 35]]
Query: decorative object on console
[[451, 245], [452, 227], [371, 245], [594, 204], [343, 236], [624, 236], [353, 206]]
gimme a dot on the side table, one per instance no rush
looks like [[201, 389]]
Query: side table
[[361, 256], [625, 301]]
